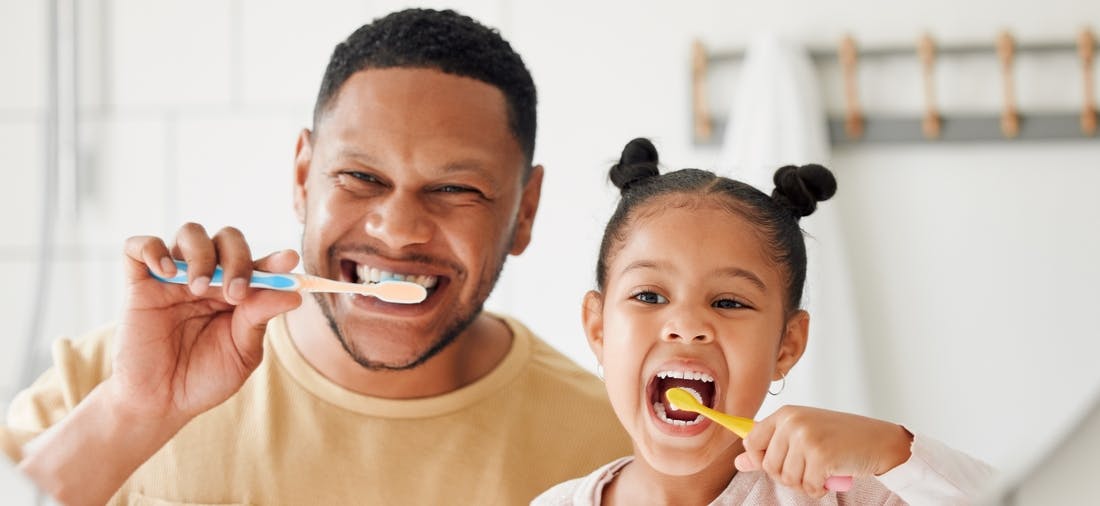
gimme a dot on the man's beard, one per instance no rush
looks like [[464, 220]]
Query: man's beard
[[454, 328]]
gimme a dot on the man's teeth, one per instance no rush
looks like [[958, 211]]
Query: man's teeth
[[368, 274], [659, 408], [698, 376]]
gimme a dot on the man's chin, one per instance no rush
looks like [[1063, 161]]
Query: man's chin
[[382, 358], [395, 344]]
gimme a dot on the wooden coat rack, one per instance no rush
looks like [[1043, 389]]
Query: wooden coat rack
[[933, 125]]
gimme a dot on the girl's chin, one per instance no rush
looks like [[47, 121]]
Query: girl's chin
[[683, 461]]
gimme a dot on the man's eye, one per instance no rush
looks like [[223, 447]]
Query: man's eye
[[651, 298], [455, 189], [363, 176], [728, 304]]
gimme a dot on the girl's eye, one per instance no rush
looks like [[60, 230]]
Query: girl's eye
[[651, 298], [728, 304]]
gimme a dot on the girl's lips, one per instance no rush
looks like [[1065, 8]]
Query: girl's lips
[[685, 374]]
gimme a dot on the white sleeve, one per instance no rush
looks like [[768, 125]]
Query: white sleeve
[[936, 474]]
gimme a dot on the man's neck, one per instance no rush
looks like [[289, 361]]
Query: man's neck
[[472, 355]]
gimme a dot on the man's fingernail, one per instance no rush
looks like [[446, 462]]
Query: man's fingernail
[[199, 285], [167, 266], [238, 288]]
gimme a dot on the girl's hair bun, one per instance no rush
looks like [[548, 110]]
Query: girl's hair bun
[[637, 163], [800, 187]]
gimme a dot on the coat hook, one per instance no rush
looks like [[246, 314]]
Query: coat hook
[[853, 124], [702, 121], [1085, 46], [926, 50], [1010, 120]]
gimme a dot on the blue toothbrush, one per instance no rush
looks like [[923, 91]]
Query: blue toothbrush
[[399, 292]]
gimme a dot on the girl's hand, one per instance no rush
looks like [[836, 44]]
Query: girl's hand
[[800, 447]]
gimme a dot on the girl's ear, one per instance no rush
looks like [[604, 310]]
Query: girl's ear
[[592, 319], [793, 343]]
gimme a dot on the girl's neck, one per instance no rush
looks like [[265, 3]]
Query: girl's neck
[[640, 483]]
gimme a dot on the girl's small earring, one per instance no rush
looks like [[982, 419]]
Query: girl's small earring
[[782, 384], [599, 371]]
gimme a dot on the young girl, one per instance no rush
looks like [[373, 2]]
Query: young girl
[[700, 280]]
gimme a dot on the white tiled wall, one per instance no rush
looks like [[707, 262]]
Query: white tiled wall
[[17, 304], [124, 184], [21, 159], [171, 54], [285, 45], [237, 170], [23, 50]]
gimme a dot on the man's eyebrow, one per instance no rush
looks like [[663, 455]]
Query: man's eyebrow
[[349, 152], [464, 165], [467, 165]]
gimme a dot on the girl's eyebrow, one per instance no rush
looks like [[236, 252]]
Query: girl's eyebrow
[[642, 264], [737, 272], [729, 272]]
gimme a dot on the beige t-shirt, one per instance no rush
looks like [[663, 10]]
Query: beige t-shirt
[[291, 436]]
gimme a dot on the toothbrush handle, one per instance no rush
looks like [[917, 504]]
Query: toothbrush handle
[[260, 279], [838, 483]]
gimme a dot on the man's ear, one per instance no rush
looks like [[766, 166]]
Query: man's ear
[[592, 320], [303, 156], [528, 206], [793, 344]]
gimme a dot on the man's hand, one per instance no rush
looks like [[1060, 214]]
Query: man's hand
[[179, 351]]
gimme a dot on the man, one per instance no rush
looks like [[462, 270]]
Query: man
[[418, 166]]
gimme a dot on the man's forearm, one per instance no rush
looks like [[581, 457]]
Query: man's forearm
[[86, 457]]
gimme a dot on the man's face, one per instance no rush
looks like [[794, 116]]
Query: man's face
[[413, 173]]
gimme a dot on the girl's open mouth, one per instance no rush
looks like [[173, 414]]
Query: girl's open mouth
[[699, 384]]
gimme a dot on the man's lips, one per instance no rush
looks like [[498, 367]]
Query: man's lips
[[356, 272]]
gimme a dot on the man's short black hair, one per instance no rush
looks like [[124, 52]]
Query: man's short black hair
[[443, 40]]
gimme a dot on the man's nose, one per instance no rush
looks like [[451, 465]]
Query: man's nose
[[399, 219]]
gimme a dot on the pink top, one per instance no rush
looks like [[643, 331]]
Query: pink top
[[935, 475]]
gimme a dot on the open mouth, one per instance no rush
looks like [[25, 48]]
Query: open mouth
[[699, 384], [363, 273]]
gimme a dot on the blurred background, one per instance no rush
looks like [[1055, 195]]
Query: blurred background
[[972, 264]]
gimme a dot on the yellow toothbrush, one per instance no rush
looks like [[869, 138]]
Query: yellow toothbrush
[[683, 400]]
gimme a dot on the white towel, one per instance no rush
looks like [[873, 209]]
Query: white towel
[[777, 118]]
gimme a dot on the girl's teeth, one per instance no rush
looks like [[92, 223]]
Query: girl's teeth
[[659, 408], [698, 376]]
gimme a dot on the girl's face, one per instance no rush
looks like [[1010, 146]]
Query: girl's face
[[692, 300]]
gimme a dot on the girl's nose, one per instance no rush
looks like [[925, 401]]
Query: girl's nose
[[399, 220], [688, 330]]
